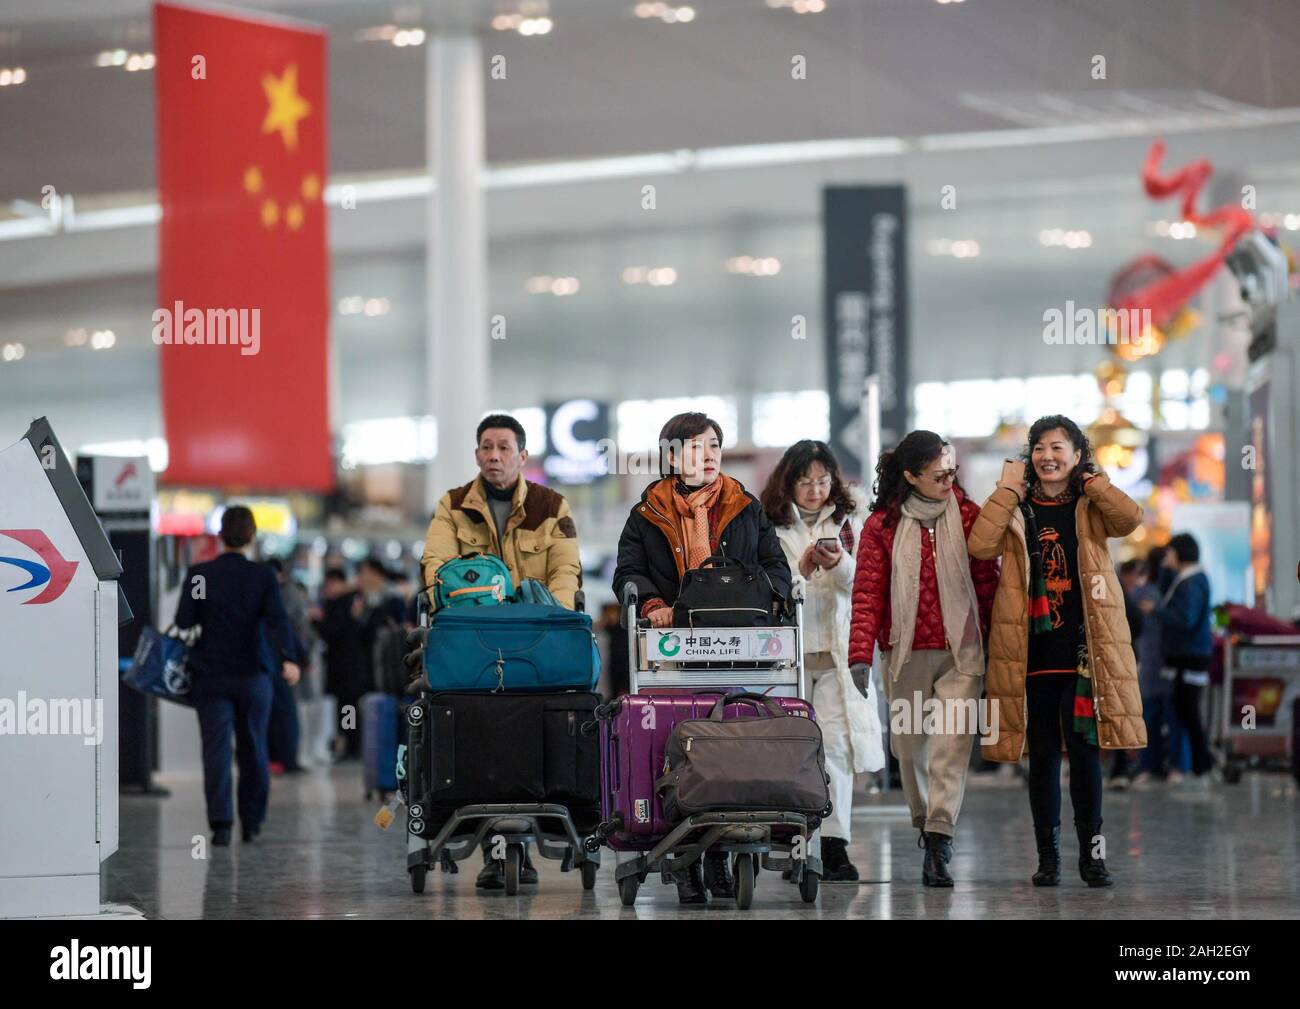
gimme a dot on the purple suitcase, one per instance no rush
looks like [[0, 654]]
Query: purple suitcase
[[632, 742]]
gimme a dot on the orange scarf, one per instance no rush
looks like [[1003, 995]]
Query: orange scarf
[[693, 515]]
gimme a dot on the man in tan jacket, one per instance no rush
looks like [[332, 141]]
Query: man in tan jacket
[[525, 524], [499, 512]]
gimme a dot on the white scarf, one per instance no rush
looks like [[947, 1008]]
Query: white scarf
[[957, 597]]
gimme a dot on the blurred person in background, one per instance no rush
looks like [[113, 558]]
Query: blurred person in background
[[285, 729], [694, 512], [1166, 756], [309, 691], [1186, 618], [346, 666], [818, 519], [1061, 664], [527, 525], [233, 602], [919, 596]]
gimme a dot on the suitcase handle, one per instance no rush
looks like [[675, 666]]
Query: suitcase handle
[[760, 701]]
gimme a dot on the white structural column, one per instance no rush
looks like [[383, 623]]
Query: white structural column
[[457, 255]]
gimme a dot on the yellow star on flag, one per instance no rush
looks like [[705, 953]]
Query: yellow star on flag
[[285, 107]]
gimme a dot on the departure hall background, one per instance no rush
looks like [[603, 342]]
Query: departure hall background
[[836, 220]]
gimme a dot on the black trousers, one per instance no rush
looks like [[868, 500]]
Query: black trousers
[[1187, 709], [1050, 700]]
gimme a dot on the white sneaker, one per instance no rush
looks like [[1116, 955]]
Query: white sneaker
[[1143, 781], [1176, 778]]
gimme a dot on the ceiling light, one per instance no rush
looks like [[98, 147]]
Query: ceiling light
[[102, 339], [76, 337], [12, 352]]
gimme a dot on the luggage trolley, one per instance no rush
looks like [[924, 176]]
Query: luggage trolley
[[768, 657], [548, 827], [1261, 676]]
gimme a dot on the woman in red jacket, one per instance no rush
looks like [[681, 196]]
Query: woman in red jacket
[[919, 595]]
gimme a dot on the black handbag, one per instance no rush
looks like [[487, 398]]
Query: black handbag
[[726, 593]]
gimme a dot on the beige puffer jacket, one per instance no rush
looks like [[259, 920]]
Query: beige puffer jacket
[[1103, 511]]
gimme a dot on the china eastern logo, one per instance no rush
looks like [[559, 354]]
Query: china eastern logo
[[670, 644], [55, 574]]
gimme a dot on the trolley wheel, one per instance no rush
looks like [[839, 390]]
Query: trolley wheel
[[589, 875], [514, 861], [627, 888], [744, 872], [1232, 773], [417, 878], [808, 887]]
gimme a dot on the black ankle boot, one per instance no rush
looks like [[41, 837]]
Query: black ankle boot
[[690, 885], [1093, 870], [938, 851], [717, 876], [836, 867], [1048, 840]]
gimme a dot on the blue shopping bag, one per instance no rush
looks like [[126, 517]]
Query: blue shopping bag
[[159, 667]]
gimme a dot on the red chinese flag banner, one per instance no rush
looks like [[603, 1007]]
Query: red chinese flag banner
[[243, 274]]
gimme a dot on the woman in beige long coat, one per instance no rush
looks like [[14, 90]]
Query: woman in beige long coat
[[1061, 665]]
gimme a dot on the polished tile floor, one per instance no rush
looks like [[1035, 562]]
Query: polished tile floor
[[1230, 852]]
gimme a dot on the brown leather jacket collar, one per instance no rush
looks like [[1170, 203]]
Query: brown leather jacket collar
[[657, 508]]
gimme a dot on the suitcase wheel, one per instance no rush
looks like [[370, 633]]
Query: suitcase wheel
[[514, 862], [589, 875], [808, 887], [417, 878], [743, 869], [627, 888]]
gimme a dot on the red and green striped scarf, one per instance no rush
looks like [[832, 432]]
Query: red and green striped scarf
[[1040, 619]]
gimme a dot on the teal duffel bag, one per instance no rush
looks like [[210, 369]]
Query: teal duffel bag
[[518, 648]]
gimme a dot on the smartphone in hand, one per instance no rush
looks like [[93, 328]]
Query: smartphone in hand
[[830, 544]]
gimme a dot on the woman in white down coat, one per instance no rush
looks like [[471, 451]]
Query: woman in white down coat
[[807, 501]]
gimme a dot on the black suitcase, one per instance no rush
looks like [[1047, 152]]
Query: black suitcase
[[468, 749]]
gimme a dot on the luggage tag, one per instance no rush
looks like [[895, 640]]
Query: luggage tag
[[388, 813]]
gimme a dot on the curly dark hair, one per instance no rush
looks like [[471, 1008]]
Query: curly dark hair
[[1077, 438], [779, 492], [916, 451]]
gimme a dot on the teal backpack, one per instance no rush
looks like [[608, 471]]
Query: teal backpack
[[472, 580]]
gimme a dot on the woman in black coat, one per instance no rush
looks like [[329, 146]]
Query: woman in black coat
[[694, 512]]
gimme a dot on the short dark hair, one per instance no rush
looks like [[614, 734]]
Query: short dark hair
[[376, 565], [681, 429], [238, 527], [501, 420], [336, 575], [1155, 561], [1132, 566], [1185, 548]]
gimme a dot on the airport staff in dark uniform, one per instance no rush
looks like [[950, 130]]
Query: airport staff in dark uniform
[[233, 602]]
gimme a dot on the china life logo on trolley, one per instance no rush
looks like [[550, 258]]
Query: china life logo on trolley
[[739, 643]]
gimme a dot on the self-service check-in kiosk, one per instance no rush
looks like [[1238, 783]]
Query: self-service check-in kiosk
[[60, 609]]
